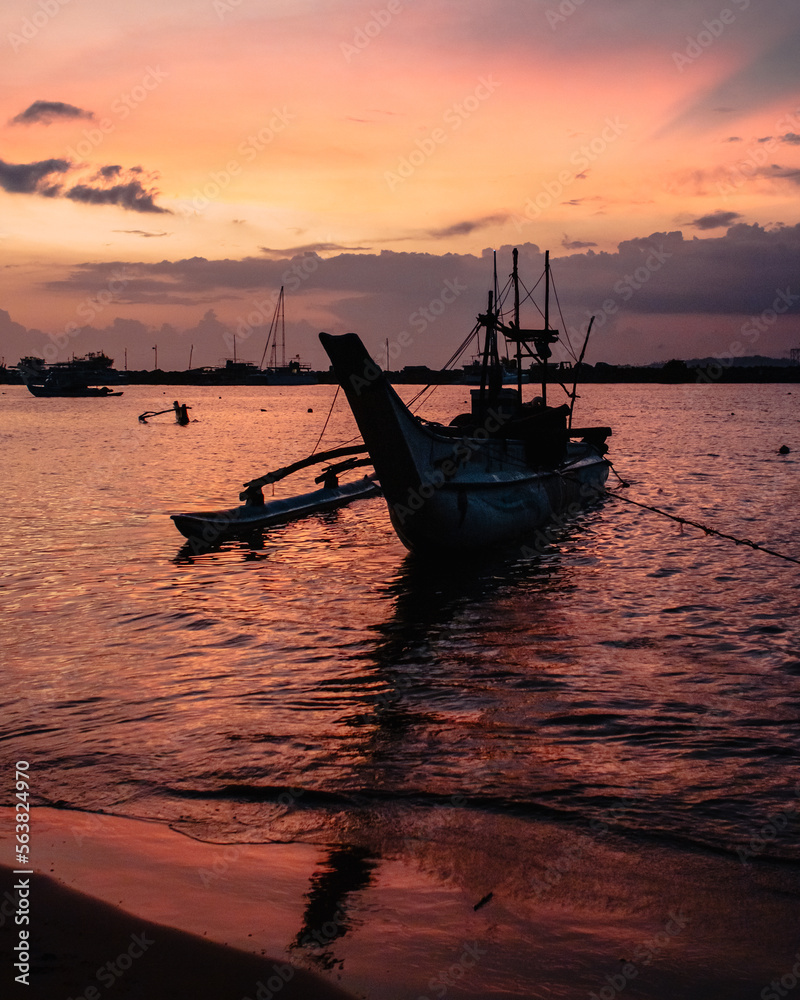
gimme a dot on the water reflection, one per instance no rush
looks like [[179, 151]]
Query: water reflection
[[250, 545], [428, 595], [249, 541], [346, 870]]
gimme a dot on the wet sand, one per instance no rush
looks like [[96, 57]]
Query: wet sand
[[570, 915]]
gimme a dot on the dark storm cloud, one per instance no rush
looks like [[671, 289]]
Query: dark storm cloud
[[131, 196], [575, 244], [776, 172], [27, 178], [715, 220], [465, 227], [36, 178], [306, 248], [140, 232], [46, 112], [734, 274]]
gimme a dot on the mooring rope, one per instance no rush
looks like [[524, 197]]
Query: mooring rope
[[696, 524], [324, 426]]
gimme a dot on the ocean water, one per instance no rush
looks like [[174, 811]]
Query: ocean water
[[324, 686]]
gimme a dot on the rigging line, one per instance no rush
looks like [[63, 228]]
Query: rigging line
[[456, 356], [703, 527], [330, 411], [563, 321], [529, 295]]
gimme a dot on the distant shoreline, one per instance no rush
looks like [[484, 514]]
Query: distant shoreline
[[601, 373]]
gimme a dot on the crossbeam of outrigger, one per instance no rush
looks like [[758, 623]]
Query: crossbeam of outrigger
[[304, 463]]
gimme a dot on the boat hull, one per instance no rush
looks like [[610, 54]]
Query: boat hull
[[459, 516], [211, 527], [76, 393]]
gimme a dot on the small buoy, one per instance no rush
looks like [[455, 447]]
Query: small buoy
[[784, 450], [310, 410]]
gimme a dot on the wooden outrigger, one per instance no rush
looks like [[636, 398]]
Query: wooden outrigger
[[212, 527]]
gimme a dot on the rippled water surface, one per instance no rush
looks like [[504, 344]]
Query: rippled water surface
[[630, 665]]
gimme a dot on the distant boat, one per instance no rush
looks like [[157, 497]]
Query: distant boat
[[494, 474], [78, 377], [295, 372], [71, 390], [472, 374]]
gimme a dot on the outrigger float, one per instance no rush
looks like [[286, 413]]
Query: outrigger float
[[212, 527]]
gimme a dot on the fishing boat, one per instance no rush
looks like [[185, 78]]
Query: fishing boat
[[71, 391], [212, 527], [495, 474], [76, 378]]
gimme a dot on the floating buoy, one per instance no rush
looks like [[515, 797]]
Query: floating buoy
[[310, 410], [784, 450]]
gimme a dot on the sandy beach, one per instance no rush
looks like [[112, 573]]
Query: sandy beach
[[82, 947], [127, 904], [138, 907]]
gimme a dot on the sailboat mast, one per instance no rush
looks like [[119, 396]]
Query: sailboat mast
[[283, 330]]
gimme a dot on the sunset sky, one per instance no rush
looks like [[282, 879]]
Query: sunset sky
[[165, 167]]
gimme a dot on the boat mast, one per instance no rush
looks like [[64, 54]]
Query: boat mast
[[487, 346], [542, 355], [515, 275]]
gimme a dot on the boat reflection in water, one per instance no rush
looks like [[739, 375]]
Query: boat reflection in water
[[346, 870]]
